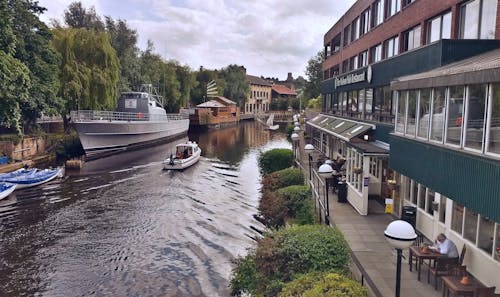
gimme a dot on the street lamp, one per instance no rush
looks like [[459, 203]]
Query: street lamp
[[325, 171], [296, 129], [296, 124], [295, 138], [400, 234], [309, 148]]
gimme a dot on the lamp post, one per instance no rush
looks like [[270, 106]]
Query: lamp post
[[400, 234], [295, 138], [309, 148], [325, 171], [296, 129]]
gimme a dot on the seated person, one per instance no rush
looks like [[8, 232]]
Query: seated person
[[445, 246]]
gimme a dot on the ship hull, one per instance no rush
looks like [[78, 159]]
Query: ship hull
[[100, 138]]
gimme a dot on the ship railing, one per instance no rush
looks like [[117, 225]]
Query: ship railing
[[97, 115]]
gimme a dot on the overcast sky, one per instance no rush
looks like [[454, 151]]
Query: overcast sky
[[268, 37]]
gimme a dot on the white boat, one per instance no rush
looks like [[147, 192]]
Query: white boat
[[25, 178], [6, 189], [186, 154], [139, 120], [270, 123]]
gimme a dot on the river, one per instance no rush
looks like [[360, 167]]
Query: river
[[122, 226]]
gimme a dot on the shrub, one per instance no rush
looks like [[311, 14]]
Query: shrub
[[299, 250], [273, 209], [323, 285], [282, 178], [244, 275], [275, 159], [299, 203]]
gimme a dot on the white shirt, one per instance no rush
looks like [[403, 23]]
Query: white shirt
[[448, 247]]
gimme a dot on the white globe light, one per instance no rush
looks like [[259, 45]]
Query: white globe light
[[294, 136], [325, 170], [400, 234], [296, 129], [309, 148]]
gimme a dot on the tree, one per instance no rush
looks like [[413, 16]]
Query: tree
[[34, 50], [89, 69], [314, 73], [203, 77], [236, 86], [77, 17]]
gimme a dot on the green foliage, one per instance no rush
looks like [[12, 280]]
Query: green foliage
[[68, 147], [203, 77], [282, 178], [236, 85], [315, 103], [323, 285], [275, 159], [78, 17], [314, 73], [289, 129], [299, 203], [289, 252], [244, 275]]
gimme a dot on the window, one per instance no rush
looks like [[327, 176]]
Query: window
[[437, 122], [454, 115], [412, 110], [383, 105], [353, 63], [355, 29], [485, 236], [421, 196], [474, 127], [439, 28], [363, 59], [393, 6], [368, 103], [442, 209], [414, 192], [457, 217], [424, 111], [429, 201], [407, 2], [365, 22], [477, 19], [376, 53], [494, 125], [391, 47], [411, 39], [347, 35], [345, 66], [400, 122], [470, 225], [378, 12]]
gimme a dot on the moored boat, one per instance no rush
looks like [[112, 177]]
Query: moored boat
[[138, 120], [25, 178], [186, 154], [6, 189]]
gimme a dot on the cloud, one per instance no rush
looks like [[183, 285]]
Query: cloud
[[268, 37]]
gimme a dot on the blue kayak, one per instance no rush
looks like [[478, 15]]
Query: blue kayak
[[30, 177], [6, 189]]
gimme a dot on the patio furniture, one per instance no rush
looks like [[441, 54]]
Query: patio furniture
[[485, 292], [452, 284], [420, 256], [441, 267]]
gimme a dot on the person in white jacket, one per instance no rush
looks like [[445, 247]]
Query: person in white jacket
[[445, 246]]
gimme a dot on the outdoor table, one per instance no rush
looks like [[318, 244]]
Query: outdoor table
[[416, 251], [452, 284]]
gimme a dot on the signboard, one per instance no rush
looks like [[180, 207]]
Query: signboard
[[366, 181], [389, 205], [351, 78], [131, 103]]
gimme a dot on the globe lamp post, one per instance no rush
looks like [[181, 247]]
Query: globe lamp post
[[309, 148], [326, 171], [295, 139]]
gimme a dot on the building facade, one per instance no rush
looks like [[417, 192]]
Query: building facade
[[259, 99], [417, 121]]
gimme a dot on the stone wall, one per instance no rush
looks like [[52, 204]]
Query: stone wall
[[27, 148]]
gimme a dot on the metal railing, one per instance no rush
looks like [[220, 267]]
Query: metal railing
[[96, 115]]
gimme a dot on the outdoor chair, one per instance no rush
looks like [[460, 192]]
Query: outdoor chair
[[458, 270], [462, 255], [441, 267], [485, 292]]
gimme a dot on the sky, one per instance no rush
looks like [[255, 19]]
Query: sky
[[269, 37]]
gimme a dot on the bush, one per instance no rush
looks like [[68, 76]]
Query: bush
[[299, 203], [273, 209], [282, 178], [275, 159], [323, 285], [244, 275], [299, 250]]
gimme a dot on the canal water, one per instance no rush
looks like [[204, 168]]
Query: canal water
[[122, 226]]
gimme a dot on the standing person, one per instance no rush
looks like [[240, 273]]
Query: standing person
[[445, 246]]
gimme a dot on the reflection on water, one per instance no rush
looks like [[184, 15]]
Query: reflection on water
[[124, 227]]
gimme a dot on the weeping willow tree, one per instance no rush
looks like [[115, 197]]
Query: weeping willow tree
[[89, 70]]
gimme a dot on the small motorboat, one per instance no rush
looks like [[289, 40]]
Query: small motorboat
[[6, 189], [30, 177], [186, 154]]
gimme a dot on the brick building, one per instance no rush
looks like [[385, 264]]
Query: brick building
[[410, 100]]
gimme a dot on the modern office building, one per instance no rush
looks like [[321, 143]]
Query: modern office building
[[411, 99]]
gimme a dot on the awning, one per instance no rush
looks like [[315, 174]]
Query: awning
[[341, 128]]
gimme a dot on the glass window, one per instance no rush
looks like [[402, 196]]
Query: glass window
[[369, 103], [365, 22], [455, 115], [355, 29], [391, 47], [414, 192], [488, 19], [474, 127], [363, 59], [446, 26], [457, 217], [442, 209], [421, 196], [477, 19], [361, 101], [494, 126], [424, 110], [412, 38], [434, 29], [376, 53], [400, 123], [439, 27], [347, 35], [394, 6], [438, 115], [470, 225], [412, 110], [429, 201], [486, 232], [378, 12]]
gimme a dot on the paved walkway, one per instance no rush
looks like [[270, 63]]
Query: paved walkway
[[365, 234]]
